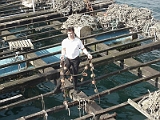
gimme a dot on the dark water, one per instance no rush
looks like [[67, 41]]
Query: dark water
[[125, 113]]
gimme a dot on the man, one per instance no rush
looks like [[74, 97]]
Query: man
[[70, 52]]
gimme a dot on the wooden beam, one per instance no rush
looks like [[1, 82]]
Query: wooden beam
[[109, 91], [136, 106], [10, 99], [110, 58], [73, 103], [31, 17]]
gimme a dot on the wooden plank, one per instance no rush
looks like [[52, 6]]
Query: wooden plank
[[10, 99], [38, 62], [136, 106], [146, 71], [91, 107], [30, 43], [24, 44], [19, 44], [20, 19], [27, 43], [7, 37], [13, 44]]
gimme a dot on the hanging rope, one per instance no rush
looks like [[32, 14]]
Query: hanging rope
[[83, 73], [93, 116], [93, 78], [82, 105], [79, 107], [65, 103], [63, 79], [45, 115], [43, 107]]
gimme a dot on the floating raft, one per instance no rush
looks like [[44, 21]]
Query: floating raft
[[40, 30]]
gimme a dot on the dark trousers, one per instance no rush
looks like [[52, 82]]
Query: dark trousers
[[73, 66]]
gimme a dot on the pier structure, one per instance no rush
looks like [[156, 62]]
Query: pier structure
[[28, 32]]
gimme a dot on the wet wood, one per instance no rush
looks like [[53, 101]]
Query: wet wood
[[31, 30], [99, 52], [129, 62], [21, 44], [111, 108], [110, 58], [38, 16], [73, 103], [58, 44], [38, 62], [25, 44], [9, 4], [10, 99], [9, 36], [45, 72], [136, 106], [86, 82], [91, 107]]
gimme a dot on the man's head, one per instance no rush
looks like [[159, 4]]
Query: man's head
[[70, 29], [70, 32]]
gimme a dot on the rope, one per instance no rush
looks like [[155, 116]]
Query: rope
[[43, 107], [93, 115], [42, 101], [79, 108], [67, 108], [93, 79], [45, 115], [63, 79], [83, 73], [82, 104]]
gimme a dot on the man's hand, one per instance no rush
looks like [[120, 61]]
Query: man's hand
[[89, 56], [62, 57]]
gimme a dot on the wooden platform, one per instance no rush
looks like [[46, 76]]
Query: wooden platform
[[20, 44], [33, 22], [91, 107], [146, 71]]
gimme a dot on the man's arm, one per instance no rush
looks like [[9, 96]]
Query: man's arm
[[63, 52], [87, 53]]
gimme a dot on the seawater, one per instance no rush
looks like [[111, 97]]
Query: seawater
[[125, 113]]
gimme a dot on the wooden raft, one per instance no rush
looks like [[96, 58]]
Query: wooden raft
[[21, 44], [91, 107]]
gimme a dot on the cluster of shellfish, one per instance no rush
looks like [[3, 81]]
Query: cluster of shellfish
[[66, 6], [80, 20]]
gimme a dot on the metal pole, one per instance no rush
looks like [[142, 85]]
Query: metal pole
[[33, 6]]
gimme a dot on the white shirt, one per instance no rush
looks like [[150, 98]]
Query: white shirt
[[72, 47]]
